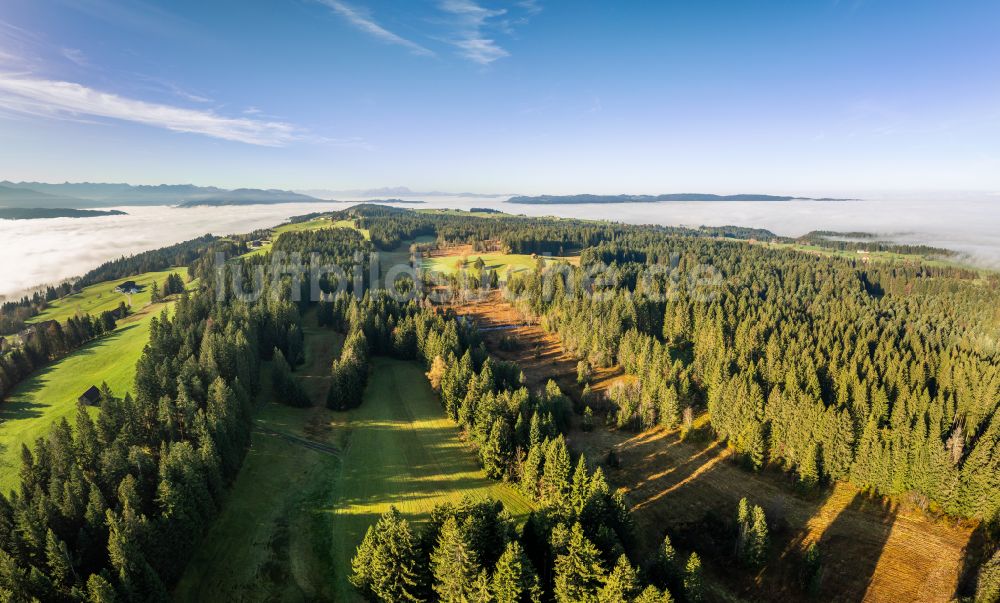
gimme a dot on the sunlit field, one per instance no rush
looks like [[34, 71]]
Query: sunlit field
[[51, 393]]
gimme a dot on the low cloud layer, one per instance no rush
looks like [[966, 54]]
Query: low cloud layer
[[48, 251]]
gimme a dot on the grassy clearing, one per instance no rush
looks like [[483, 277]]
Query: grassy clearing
[[51, 393], [295, 514], [401, 450], [102, 297], [400, 256], [317, 224], [352, 224], [504, 263], [270, 543]]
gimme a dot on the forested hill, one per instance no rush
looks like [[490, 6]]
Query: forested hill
[[22, 213], [390, 226], [94, 194], [573, 199], [248, 196]]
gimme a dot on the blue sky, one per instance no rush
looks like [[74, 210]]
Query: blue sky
[[796, 96]]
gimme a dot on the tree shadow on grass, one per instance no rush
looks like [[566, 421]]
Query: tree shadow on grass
[[981, 544], [691, 489], [852, 546]]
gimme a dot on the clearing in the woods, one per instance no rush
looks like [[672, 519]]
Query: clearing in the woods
[[297, 512], [873, 550], [453, 260]]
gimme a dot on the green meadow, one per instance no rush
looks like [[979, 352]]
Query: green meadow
[[402, 450], [102, 297], [503, 263], [51, 393], [296, 514], [317, 224]]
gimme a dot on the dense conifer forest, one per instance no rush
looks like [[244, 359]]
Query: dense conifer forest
[[883, 375]]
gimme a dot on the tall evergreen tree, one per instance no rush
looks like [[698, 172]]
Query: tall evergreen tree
[[514, 580], [454, 564], [988, 582], [694, 588], [579, 573], [385, 564], [622, 583]]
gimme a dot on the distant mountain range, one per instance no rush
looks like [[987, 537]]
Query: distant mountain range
[[87, 194], [572, 199], [36, 213], [250, 196], [388, 191], [78, 195], [19, 197]]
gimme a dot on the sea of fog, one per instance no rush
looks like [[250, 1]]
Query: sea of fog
[[34, 252]]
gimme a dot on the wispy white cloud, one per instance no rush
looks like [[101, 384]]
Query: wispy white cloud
[[365, 23], [180, 92], [532, 7], [24, 94], [470, 21], [75, 55], [16, 47]]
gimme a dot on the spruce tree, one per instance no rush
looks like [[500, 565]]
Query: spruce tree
[[654, 595], [580, 488], [99, 590], [665, 572], [556, 473], [495, 454], [481, 592], [453, 564], [693, 580], [988, 582], [385, 564], [514, 580], [752, 536], [812, 565], [809, 468], [760, 537], [622, 583], [58, 561], [579, 574]]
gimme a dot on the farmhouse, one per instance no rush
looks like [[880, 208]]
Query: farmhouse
[[91, 397], [128, 288], [31, 329]]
